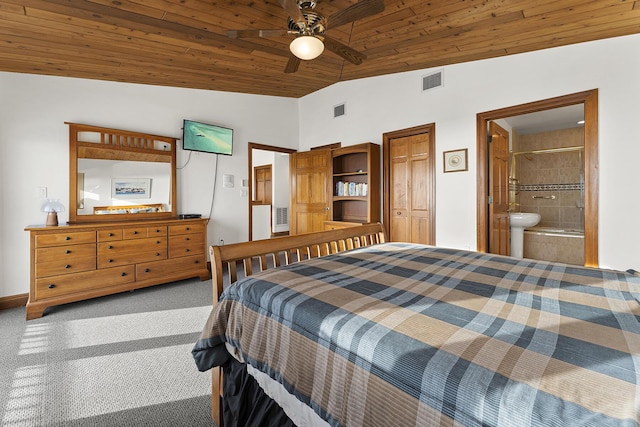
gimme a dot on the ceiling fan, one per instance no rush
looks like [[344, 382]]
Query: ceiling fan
[[309, 26]]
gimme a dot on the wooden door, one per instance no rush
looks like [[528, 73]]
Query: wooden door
[[262, 185], [410, 185], [499, 235], [311, 190]]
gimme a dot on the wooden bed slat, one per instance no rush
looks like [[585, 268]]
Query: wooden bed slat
[[290, 249]]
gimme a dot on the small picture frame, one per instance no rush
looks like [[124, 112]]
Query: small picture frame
[[455, 160], [131, 188]]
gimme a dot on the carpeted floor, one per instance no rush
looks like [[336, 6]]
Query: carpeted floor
[[120, 360]]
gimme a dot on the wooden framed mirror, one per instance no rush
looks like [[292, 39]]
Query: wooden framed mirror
[[117, 175]]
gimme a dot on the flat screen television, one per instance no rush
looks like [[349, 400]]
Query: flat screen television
[[207, 138]]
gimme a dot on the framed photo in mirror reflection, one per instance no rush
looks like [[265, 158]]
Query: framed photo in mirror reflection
[[131, 188]]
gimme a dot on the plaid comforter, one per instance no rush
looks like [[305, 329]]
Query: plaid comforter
[[399, 334]]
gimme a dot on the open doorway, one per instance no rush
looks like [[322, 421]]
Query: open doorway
[[268, 214], [589, 101]]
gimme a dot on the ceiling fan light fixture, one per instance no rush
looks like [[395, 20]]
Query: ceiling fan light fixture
[[306, 47]]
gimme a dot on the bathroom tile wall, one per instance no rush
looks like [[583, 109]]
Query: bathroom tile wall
[[551, 174]]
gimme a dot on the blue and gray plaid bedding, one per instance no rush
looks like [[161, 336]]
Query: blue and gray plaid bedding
[[400, 334]]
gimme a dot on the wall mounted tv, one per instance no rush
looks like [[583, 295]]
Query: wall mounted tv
[[207, 138]]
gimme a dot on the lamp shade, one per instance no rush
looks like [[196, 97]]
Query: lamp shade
[[52, 207], [306, 47]]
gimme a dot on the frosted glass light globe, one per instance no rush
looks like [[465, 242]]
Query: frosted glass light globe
[[306, 47]]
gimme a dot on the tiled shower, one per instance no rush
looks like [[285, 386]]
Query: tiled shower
[[547, 177]]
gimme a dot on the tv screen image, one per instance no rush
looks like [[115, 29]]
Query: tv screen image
[[207, 138]]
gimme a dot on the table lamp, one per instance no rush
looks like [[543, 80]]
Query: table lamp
[[52, 207]]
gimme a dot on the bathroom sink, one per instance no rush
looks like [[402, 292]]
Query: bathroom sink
[[519, 221], [524, 219]]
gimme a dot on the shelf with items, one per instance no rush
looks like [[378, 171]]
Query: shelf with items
[[356, 184], [350, 188], [344, 198]]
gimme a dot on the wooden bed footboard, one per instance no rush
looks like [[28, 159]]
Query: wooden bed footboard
[[271, 253]]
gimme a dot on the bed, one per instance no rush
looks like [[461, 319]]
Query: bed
[[363, 332]]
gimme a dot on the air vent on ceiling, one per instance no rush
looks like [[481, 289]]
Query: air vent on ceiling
[[338, 110], [282, 216], [432, 81]]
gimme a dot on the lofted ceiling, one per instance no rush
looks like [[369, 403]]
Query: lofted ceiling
[[184, 43]]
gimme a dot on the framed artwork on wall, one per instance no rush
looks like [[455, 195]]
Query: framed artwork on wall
[[455, 160]]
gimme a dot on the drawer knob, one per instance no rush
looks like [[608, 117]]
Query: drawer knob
[[158, 242], [110, 260], [67, 251], [135, 232], [109, 247], [123, 274], [110, 234], [188, 228], [67, 238], [51, 286], [146, 270], [67, 266], [157, 253], [186, 238], [187, 250], [197, 262], [157, 231]]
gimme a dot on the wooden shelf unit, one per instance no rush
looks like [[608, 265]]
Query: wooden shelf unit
[[360, 165]]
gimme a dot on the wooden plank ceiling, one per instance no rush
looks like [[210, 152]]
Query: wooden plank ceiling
[[183, 43]]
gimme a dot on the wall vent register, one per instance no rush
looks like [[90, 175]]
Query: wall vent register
[[432, 81]]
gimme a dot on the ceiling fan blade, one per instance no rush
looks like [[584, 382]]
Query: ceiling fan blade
[[292, 65], [344, 51], [292, 8], [239, 34], [360, 10]]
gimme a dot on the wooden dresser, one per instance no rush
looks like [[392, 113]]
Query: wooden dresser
[[77, 262]]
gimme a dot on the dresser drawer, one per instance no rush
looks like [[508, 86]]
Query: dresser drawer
[[65, 253], [185, 245], [135, 245], [126, 258], [124, 252], [110, 235], [75, 265], [188, 228], [134, 233], [58, 239], [153, 270], [78, 282], [160, 230]]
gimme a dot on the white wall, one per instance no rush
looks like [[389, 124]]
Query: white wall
[[34, 150], [393, 102]]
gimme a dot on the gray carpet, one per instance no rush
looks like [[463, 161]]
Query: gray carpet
[[120, 360]]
